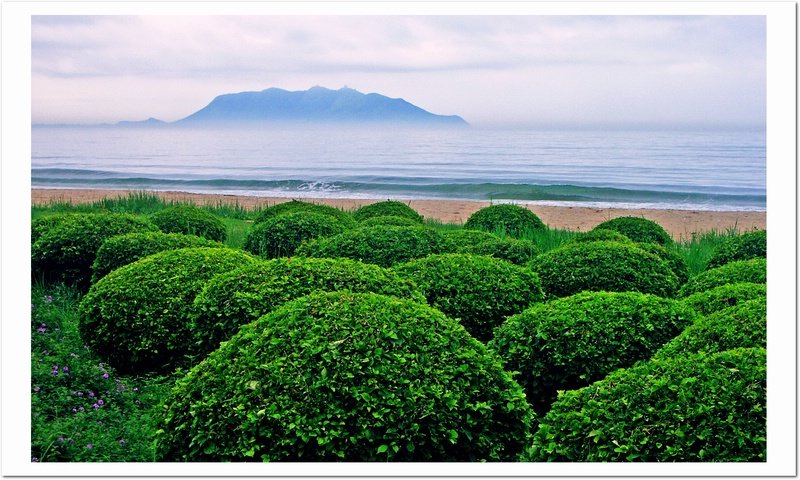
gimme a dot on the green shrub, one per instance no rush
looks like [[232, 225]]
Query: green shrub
[[725, 296], [603, 266], [346, 376], [516, 251], [388, 207], [741, 326], [65, 252], [513, 220], [280, 235], [381, 245], [709, 408], [602, 234], [190, 220], [136, 317], [394, 220], [571, 342], [42, 225], [637, 229], [749, 271], [478, 291], [675, 261], [462, 239], [292, 206], [233, 299], [124, 249], [740, 247]]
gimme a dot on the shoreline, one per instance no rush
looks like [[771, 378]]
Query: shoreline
[[681, 224]]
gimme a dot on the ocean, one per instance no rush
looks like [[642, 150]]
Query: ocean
[[689, 170]]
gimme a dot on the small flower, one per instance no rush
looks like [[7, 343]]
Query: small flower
[[96, 406], [80, 409], [35, 459], [60, 439], [80, 394], [100, 402], [41, 330], [74, 410], [48, 299], [65, 368], [135, 389], [105, 375], [122, 441], [36, 389], [91, 394], [42, 324], [90, 446]]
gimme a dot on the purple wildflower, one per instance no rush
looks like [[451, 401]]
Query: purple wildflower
[[65, 368], [80, 409], [90, 446], [100, 402], [41, 330], [105, 375], [35, 459], [60, 439], [80, 394], [96, 406], [91, 394], [36, 389]]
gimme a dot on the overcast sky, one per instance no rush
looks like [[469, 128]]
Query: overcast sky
[[491, 70]]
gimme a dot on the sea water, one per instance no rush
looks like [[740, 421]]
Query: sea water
[[682, 169]]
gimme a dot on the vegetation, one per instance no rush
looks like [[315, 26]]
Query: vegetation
[[393, 220], [637, 229], [740, 247], [508, 219], [346, 376], [749, 271], [292, 206], [478, 291], [279, 236], [190, 220], [693, 408], [725, 296], [570, 342], [387, 208], [602, 234], [516, 251], [672, 258]]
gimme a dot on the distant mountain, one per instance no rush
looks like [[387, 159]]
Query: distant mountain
[[150, 122], [316, 105]]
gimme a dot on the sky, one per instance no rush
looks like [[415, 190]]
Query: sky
[[491, 70]]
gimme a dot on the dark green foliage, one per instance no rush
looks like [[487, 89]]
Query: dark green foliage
[[511, 219], [235, 298], [741, 247], [280, 235], [602, 234], [124, 249], [381, 245], [725, 296], [42, 225], [346, 376], [749, 271], [395, 220], [463, 239], [292, 206], [388, 207], [637, 229], [478, 291], [603, 266], [675, 261], [571, 342], [743, 325], [136, 317], [709, 408], [190, 220], [65, 252], [513, 250]]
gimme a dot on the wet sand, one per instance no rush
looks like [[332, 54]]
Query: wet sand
[[681, 224]]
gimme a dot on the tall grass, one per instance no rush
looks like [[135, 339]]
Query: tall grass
[[700, 247]]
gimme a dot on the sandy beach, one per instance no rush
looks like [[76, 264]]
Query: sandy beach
[[681, 224]]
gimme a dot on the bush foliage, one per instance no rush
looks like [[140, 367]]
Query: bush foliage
[[190, 220], [602, 234], [478, 291], [570, 342], [742, 325], [292, 206], [235, 298], [65, 252], [280, 235], [124, 249], [675, 261], [462, 239], [709, 408], [513, 220], [637, 229], [725, 296], [387, 208], [136, 317], [381, 245], [747, 271], [516, 251], [603, 266], [41, 225], [346, 376], [740, 247], [393, 220]]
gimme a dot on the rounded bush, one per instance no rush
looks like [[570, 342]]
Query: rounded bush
[[478, 291], [381, 245], [749, 271], [741, 247], [516, 251], [393, 220], [511, 219], [137, 317], [388, 207], [571, 342], [637, 229], [725, 296], [235, 298], [709, 408], [462, 239], [675, 261], [280, 236], [743, 325], [293, 206], [43, 224], [190, 220], [124, 249], [601, 234], [603, 266], [65, 252], [346, 376]]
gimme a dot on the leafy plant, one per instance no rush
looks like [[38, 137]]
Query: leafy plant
[[463, 239], [513, 250], [637, 229], [292, 206], [709, 408], [136, 317], [725, 296], [385, 208], [570, 342], [602, 234], [510, 219], [675, 261], [749, 271], [478, 291], [279, 236], [394, 220], [346, 376], [190, 220], [740, 247]]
